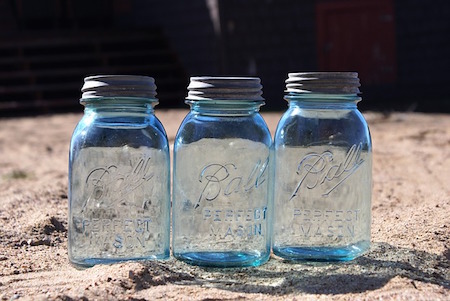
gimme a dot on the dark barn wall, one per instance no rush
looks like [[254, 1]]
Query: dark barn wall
[[265, 38], [423, 47], [271, 38], [268, 39], [47, 48], [189, 27], [256, 38]]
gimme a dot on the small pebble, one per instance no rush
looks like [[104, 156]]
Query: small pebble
[[14, 297]]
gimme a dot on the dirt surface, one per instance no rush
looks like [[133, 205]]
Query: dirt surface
[[409, 259]]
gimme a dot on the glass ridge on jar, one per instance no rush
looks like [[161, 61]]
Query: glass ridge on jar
[[119, 181], [323, 170], [220, 207]]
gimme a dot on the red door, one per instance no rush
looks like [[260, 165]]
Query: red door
[[358, 35]]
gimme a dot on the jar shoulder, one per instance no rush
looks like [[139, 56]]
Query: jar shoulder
[[195, 127], [90, 132], [299, 127]]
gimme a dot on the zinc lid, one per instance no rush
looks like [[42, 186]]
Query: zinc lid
[[323, 82], [225, 88], [119, 86]]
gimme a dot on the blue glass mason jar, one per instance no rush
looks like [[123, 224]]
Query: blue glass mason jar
[[323, 174], [220, 205], [119, 181]]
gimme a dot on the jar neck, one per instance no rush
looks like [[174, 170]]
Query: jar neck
[[224, 107], [323, 101], [119, 107]]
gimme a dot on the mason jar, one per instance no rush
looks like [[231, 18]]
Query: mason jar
[[119, 182], [220, 206], [323, 173]]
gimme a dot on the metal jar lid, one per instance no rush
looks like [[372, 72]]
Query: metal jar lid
[[323, 82], [119, 86], [225, 88]]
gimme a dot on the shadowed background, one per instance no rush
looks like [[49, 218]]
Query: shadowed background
[[400, 48]]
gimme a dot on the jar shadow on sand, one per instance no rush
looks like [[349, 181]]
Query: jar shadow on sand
[[277, 277]]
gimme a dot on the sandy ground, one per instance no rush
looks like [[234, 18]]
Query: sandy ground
[[409, 259]]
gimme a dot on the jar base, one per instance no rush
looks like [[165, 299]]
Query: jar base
[[223, 259], [303, 253], [90, 262]]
